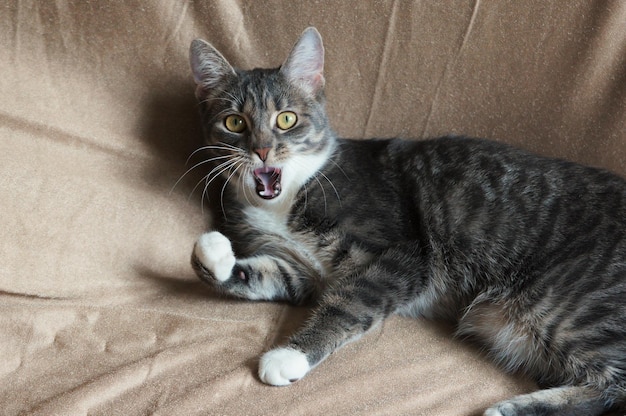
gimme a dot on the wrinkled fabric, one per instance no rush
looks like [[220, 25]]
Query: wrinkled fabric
[[100, 312]]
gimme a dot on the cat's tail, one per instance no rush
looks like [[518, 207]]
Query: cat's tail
[[569, 400]]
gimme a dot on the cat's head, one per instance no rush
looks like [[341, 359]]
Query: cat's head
[[267, 128]]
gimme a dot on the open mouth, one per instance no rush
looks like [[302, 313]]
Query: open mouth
[[267, 182]]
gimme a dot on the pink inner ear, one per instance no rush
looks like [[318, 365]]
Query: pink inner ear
[[318, 80], [310, 75], [305, 64]]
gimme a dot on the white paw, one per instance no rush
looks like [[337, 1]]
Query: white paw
[[283, 366], [216, 254], [500, 409]]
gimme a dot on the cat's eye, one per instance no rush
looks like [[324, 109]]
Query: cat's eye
[[286, 120], [235, 123]]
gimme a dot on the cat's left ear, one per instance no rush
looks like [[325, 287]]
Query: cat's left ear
[[209, 67], [305, 64]]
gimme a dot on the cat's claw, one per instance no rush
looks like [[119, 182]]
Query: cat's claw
[[215, 253], [283, 366]]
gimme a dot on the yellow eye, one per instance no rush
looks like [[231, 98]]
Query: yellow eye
[[235, 123], [286, 120]]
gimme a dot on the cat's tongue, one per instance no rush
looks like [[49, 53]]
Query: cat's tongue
[[267, 182]]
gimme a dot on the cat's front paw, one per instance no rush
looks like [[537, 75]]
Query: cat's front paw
[[214, 252], [283, 366], [492, 412], [506, 408]]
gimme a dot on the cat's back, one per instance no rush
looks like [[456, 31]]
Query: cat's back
[[473, 157], [479, 173]]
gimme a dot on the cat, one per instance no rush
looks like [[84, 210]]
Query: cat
[[524, 253]]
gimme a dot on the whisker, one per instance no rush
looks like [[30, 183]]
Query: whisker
[[230, 98], [243, 187], [333, 186], [226, 147], [323, 192], [195, 166], [194, 152], [228, 165], [223, 147], [210, 99], [220, 114], [212, 170], [224, 188], [339, 167], [235, 99], [204, 179]]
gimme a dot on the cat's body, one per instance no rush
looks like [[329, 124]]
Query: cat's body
[[526, 254]]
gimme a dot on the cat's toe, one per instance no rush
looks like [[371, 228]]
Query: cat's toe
[[283, 366], [215, 253]]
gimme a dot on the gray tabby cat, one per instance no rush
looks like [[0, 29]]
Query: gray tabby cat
[[526, 254]]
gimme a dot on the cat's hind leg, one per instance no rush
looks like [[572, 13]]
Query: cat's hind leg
[[561, 401]]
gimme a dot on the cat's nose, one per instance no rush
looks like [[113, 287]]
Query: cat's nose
[[262, 152]]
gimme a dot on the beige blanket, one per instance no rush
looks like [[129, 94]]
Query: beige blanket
[[100, 312]]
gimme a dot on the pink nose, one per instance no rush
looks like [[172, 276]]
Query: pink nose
[[263, 152]]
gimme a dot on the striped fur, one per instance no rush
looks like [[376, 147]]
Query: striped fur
[[526, 254]]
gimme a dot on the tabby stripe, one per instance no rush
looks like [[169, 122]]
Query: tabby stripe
[[345, 319], [286, 276]]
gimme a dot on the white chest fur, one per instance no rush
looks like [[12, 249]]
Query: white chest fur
[[273, 220]]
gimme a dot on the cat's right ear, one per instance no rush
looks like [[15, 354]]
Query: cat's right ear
[[305, 64], [209, 67]]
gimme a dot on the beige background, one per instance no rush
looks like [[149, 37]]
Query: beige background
[[100, 312]]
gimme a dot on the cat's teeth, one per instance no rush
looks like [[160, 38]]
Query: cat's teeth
[[268, 182]]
